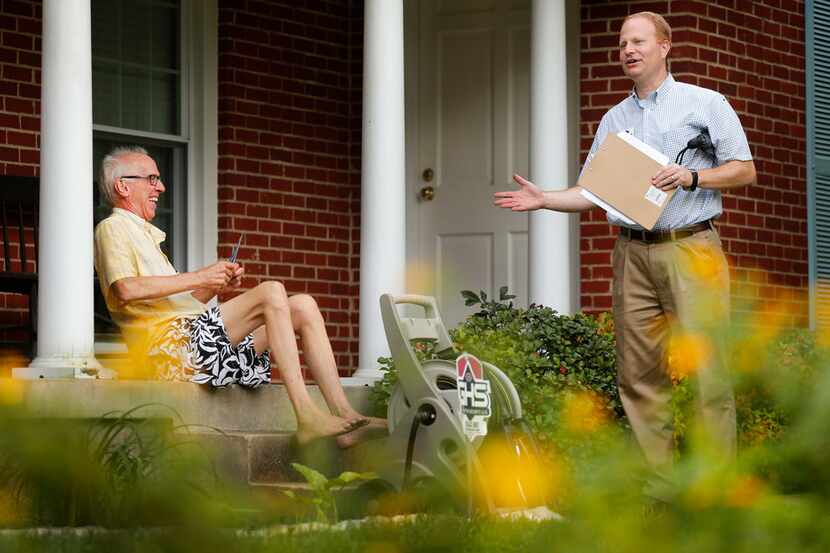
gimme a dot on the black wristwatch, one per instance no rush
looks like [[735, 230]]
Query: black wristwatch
[[692, 187]]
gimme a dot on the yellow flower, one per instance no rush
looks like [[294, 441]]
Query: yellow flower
[[688, 351], [583, 412], [514, 475], [744, 492], [11, 391]]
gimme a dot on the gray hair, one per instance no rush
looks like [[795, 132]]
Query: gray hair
[[112, 169]]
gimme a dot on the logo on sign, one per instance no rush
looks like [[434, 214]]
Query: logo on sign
[[473, 396]]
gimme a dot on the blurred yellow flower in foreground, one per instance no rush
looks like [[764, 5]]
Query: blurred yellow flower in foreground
[[741, 491], [688, 351], [744, 491], [11, 391], [583, 412], [702, 264], [765, 325], [823, 337], [515, 476]]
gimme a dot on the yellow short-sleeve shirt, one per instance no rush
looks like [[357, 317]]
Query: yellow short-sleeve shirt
[[128, 246]]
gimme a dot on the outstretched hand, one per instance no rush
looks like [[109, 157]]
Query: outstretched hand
[[527, 198]]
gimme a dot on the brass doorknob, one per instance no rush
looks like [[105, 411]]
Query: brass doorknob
[[427, 193]]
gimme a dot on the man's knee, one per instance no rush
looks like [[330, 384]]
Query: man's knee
[[304, 302], [272, 294], [305, 306]]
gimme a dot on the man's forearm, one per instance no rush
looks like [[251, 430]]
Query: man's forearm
[[568, 201], [154, 287], [731, 174], [204, 295]]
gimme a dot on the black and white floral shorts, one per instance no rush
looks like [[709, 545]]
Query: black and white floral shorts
[[199, 350]]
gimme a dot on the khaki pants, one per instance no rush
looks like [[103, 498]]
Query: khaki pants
[[679, 287]]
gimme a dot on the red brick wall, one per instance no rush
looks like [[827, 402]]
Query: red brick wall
[[290, 121], [289, 150], [753, 52], [20, 23]]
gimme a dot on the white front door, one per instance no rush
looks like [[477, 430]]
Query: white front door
[[472, 85]]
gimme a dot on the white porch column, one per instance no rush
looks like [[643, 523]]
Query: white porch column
[[65, 341], [551, 239], [383, 209]]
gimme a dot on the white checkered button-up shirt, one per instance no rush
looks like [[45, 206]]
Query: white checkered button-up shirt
[[666, 120]]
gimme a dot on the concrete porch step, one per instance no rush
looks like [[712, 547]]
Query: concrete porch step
[[249, 434], [256, 458]]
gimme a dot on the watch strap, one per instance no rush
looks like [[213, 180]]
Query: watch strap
[[692, 187]]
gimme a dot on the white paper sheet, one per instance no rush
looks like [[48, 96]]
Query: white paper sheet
[[643, 147], [594, 199]]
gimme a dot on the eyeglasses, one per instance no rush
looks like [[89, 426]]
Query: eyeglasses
[[152, 179]]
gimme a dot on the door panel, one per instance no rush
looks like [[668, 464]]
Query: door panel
[[465, 109], [463, 261], [473, 134]]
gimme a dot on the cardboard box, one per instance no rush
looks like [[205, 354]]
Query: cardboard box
[[618, 179]]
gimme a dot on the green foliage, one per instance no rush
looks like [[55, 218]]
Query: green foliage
[[553, 360], [119, 470], [382, 389], [769, 391], [322, 498], [550, 358]]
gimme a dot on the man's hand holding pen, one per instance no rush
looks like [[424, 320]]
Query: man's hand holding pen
[[236, 277]]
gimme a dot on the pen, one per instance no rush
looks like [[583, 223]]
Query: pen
[[235, 251]]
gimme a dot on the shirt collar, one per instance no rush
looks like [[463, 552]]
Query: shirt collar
[[657, 96], [155, 233]]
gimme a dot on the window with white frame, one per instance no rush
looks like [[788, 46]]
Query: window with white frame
[[138, 79]]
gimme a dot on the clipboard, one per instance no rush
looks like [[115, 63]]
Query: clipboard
[[618, 179]]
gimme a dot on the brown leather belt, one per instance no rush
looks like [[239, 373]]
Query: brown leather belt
[[656, 237]]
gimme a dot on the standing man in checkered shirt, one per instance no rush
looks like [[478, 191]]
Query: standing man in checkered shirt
[[674, 279]]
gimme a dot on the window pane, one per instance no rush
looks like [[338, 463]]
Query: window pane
[[136, 64], [105, 95], [135, 32], [164, 98], [165, 46], [135, 98], [104, 36]]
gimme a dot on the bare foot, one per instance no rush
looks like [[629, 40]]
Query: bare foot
[[374, 422], [351, 439], [326, 426]]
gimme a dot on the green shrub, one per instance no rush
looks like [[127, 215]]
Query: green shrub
[[768, 390], [563, 367], [555, 361]]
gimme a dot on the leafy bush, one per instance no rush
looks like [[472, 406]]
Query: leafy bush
[[563, 367], [768, 388]]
